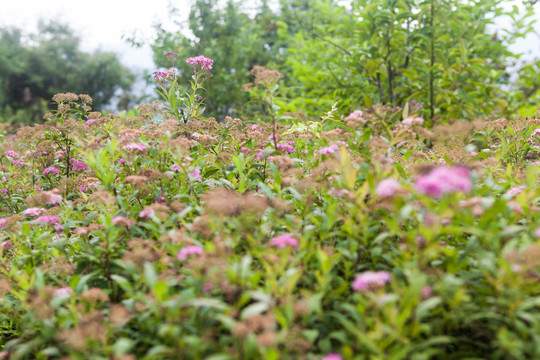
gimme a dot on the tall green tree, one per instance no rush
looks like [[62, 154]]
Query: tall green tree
[[34, 67], [234, 37]]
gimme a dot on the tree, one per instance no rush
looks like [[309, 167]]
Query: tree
[[35, 67]]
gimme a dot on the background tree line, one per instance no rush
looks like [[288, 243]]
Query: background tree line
[[443, 54]]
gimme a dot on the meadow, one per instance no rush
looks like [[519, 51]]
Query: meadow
[[160, 233]]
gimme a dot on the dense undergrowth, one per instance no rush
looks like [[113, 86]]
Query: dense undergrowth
[[168, 235]]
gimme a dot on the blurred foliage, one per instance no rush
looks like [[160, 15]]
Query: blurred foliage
[[35, 67], [443, 54]]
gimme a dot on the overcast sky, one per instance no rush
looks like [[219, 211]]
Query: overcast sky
[[102, 23]]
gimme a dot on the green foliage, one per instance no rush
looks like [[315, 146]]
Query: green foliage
[[35, 67], [439, 53]]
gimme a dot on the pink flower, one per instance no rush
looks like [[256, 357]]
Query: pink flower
[[426, 292], [189, 250], [260, 154], [370, 279], [90, 121], [286, 147], [147, 213], [444, 180], [51, 170], [12, 154], [514, 191], [65, 291], [387, 188], [332, 356], [136, 147], [176, 167], [5, 191], [162, 75], [58, 227], [413, 121], [535, 133], [49, 219], [2, 222], [204, 62], [255, 127], [537, 232], [34, 211], [54, 198], [245, 149], [284, 240], [7, 243], [171, 56], [79, 165], [329, 150], [195, 174], [122, 220]]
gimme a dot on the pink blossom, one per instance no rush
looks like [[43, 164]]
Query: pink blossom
[[147, 213], [188, 250], [136, 147], [329, 150], [286, 147], [79, 165], [54, 198], [204, 62], [195, 174], [17, 163], [284, 240], [51, 170], [332, 356], [176, 167], [49, 219], [162, 75], [444, 180], [65, 291], [58, 227], [426, 292], [255, 127], [387, 188], [537, 232], [7, 243], [90, 121], [35, 211], [122, 220], [245, 149], [83, 188], [515, 190], [5, 191], [12, 154], [369, 279], [171, 56], [535, 133], [260, 154], [413, 121], [2, 222], [473, 153]]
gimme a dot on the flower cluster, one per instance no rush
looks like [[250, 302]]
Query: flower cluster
[[370, 279], [443, 180], [204, 62]]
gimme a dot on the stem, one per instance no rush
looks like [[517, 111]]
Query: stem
[[432, 50]]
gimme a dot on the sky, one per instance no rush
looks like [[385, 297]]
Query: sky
[[102, 23]]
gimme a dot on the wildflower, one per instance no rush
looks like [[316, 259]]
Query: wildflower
[[189, 250], [90, 121], [122, 220], [2, 222], [204, 62], [34, 211], [162, 75], [54, 198], [514, 191], [176, 167], [329, 150], [245, 149], [387, 188], [6, 244], [11, 154], [413, 121], [65, 291], [136, 147], [58, 227], [535, 133], [255, 128], [537, 232], [79, 165], [147, 213], [260, 153], [426, 292], [370, 279], [444, 180], [282, 241], [195, 174], [171, 56], [51, 170], [286, 147], [48, 219], [5, 191], [332, 356]]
